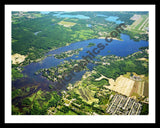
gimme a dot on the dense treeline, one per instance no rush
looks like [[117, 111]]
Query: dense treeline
[[129, 64], [136, 36], [34, 37], [51, 36], [145, 109]]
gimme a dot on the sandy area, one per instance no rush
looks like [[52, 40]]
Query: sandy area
[[143, 59], [126, 86], [122, 84], [18, 58]]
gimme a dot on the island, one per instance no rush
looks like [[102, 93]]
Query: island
[[91, 44], [69, 53]]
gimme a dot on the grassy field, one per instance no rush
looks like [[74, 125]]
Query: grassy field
[[140, 24], [86, 94], [66, 24], [146, 89], [138, 89]]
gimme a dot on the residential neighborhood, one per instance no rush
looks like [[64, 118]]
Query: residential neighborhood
[[122, 105]]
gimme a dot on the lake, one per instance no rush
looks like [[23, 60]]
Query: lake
[[111, 18], [116, 47], [101, 15], [63, 15], [59, 15], [45, 12], [114, 19], [89, 25]]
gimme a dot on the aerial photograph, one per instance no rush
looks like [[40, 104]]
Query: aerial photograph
[[80, 63]]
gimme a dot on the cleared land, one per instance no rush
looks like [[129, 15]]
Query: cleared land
[[122, 85], [18, 58], [135, 17], [146, 89], [138, 89], [144, 23], [137, 21], [86, 94], [66, 24], [129, 86], [140, 24]]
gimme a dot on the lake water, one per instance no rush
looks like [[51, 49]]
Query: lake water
[[101, 15], [89, 25], [44, 12], [71, 16], [63, 15], [116, 47], [111, 18], [114, 19]]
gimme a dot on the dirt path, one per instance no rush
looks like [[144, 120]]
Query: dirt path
[[100, 78]]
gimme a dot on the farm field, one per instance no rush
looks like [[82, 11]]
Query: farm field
[[86, 94], [128, 86], [122, 85], [146, 89]]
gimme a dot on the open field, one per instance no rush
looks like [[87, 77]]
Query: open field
[[86, 94], [144, 24], [122, 85], [66, 24], [140, 24], [146, 89], [18, 58], [138, 89], [137, 21], [128, 86], [143, 59]]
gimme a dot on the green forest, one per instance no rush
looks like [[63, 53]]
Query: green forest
[[122, 66]]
